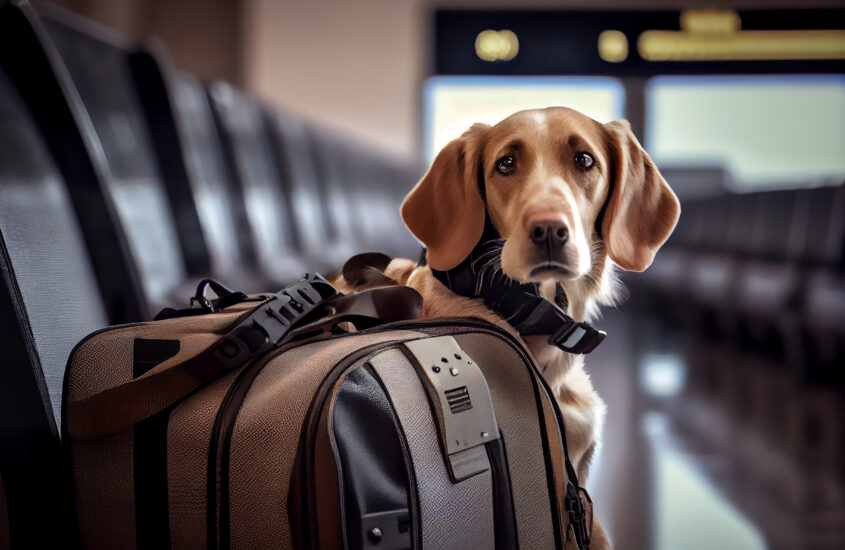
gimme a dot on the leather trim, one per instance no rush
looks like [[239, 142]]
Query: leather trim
[[152, 517], [557, 475], [327, 487]]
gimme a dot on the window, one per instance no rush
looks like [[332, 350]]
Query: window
[[453, 104], [765, 131]]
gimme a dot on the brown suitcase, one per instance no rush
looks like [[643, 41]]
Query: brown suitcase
[[260, 423]]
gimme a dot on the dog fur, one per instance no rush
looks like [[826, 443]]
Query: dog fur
[[616, 212]]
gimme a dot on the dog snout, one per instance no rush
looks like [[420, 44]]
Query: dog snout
[[548, 230]]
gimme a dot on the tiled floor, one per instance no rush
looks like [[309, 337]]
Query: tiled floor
[[658, 484]]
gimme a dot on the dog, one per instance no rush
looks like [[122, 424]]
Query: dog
[[572, 198]]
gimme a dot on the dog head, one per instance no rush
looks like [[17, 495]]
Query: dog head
[[556, 185]]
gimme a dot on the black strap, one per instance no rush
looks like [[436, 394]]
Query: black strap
[[264, 328], [149, 455], [480, 276], [566, 333]]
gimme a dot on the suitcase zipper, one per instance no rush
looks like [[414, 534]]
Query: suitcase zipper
[[222, 424], [217, 488]]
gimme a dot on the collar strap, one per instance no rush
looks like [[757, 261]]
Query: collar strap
[[480, 276]]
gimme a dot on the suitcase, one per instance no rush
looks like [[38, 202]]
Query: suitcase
[[310, 419]]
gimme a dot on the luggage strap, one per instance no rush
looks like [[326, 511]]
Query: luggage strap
[[306, 306]]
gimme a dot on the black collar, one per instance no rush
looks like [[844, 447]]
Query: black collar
[[480, 276]]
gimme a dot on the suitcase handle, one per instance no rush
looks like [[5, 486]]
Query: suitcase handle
[[299, 309], [225, 296], [366, 309]]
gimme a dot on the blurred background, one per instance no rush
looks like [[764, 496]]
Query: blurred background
[[147, 143]]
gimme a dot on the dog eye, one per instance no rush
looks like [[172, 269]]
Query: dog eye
[[505, 165], [585, 161]]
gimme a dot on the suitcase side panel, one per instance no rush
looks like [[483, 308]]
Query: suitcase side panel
[[188, 438], [102, 471], [515, 400], [266, 436], [532, 463], [452, 515]]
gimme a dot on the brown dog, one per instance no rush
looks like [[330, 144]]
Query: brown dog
[[571, 197]]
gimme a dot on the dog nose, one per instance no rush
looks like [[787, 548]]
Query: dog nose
[[553, 233]]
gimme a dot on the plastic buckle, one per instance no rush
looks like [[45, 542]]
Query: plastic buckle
[[289, 307], [577, 338], [270, 323], [225, 297], [203, 303], [577, 516]]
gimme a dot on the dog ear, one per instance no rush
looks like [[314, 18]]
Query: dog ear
[[642, 210], [445, 210]]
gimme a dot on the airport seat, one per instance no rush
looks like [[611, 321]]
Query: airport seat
[[200, 185], [723, 236], [823, 306], [101, 75], [665, 284], [768, 283], [391, 182], [699, 232], [148, 83], [398, 180], [34, 66], [248, 151], [824, 239], [319, 227], [49, 300], [692, 183], [341, 202], [375, 186]]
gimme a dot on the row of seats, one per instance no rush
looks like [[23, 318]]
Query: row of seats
[[765, 269], [752, 289], [124, 181]]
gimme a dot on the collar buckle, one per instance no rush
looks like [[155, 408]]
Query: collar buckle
[[567, 334], [577, 337]]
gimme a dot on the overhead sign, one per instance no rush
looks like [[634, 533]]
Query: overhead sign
[[639, 42]]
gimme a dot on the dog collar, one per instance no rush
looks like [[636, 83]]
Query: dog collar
[[480, 275]]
